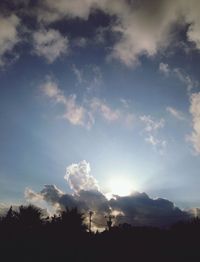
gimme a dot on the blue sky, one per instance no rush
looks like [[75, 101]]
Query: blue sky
[[108, 83]]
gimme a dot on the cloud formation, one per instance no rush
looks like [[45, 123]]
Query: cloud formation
[[151, 128], [144, 26], [9, 36], [76, 114], [50, 44], [175, 113], [195, 112], [85, 113], [164, 68], [139, 209], [79, 178], [184, 78], [136, 209], [139, 27], [104, 110]]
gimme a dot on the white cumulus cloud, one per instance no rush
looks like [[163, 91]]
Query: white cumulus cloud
[[79, 178]]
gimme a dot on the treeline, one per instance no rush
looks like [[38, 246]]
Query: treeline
[[29, 235]]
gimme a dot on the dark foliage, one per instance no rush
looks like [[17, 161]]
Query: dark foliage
[[27, 235]]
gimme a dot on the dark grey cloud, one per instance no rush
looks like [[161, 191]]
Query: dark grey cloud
[[144, 27], [137, 209]]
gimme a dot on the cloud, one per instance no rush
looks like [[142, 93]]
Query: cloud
[[184, 78], [85, 113], [74, 113], [195, 112], [175, 113], [9, 36], [104, 110], [140, 28], [151, 129], [50, 89], [164, 68], [123, 115], [136, 209], [152, 124], [139, 209], [51, 198], [192, 18], [50, 10], [89, 76], [86, 194], [155, 141], [50, 44], [77, 114], [79, 178], [80, 42], [78, 74]]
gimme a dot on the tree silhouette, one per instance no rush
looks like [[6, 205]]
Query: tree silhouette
[[72, 220], [10, 218], [26, 236], [29, 216]]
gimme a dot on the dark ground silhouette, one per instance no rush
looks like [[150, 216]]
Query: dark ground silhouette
[[28, 235]]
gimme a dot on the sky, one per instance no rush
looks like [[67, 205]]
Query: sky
[[100, 96]]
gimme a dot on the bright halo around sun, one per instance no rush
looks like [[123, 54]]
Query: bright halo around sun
[[120, 187]]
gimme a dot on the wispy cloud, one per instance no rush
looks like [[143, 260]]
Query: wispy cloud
[[152, 124], [104, 110], [85, 113], [164, 68], [151, 128], [175, 113], [74, 113], [78, 73], [195, 112], [183, 77], [50, 44], [89, 76]]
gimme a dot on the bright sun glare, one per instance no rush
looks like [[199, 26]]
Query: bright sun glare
[[120, 187]]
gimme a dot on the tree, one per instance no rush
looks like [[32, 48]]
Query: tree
[[72, 220], [9, 219], [29, 216]]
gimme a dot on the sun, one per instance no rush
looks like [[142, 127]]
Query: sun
[[120, 187]]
